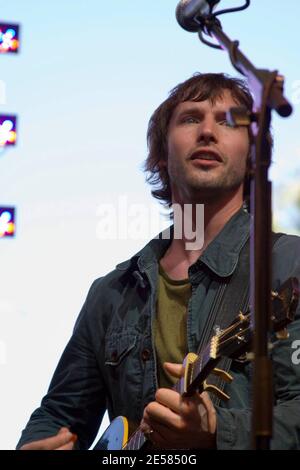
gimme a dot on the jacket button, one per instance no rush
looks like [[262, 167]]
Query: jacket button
[[114, 355], [146, 354]]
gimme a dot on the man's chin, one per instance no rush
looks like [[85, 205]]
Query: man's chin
[[209, 191]]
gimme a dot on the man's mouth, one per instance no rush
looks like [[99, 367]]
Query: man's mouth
[[208, 155]]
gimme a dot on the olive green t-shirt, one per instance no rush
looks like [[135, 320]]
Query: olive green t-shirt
[[170, 331]]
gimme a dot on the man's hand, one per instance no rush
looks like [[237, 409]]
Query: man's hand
[[63, 440], [180, 423]]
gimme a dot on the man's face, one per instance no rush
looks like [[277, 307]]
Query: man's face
[[206, 157]]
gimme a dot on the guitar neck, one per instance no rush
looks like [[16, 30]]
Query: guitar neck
[[136, 441]]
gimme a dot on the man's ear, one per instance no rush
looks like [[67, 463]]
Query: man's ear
[[163, 163]]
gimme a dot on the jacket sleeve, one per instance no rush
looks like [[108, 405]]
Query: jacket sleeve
[[234, 425], [76, 396]]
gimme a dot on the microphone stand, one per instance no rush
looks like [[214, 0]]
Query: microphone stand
[[267, 88]]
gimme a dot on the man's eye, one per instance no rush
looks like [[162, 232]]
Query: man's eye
[[189, 119], [224, 122]]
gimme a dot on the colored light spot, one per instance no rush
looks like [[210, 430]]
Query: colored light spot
[[12, 137], [11, 33], [15, 44], [7, 226], [10, 227], [7, 125], [9, 38], [8, 135]]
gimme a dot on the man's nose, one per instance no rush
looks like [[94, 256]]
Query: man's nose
[[207, 131]]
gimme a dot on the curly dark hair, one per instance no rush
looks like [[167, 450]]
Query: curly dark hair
[[199, 87]]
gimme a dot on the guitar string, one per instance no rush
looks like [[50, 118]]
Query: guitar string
[[241, 332], [198, 361]]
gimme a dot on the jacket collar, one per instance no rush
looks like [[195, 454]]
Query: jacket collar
[[221, 255]]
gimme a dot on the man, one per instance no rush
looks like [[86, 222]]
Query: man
[[140, 320]]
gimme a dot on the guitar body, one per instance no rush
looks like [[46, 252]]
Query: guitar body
[[115, 436]]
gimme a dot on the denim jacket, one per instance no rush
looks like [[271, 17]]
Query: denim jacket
[[109, 362]]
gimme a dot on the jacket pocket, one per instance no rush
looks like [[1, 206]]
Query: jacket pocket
[[118, 345], [123, 373]]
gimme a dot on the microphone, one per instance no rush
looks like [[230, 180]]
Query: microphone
[[190, 12]]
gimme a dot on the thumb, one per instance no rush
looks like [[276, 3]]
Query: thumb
[[177, 370], [63, 430], [72, 436]]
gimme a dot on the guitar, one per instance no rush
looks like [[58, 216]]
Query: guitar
[[232, 342]]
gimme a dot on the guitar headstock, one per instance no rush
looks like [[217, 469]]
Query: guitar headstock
[[236, 339], [284, 304]]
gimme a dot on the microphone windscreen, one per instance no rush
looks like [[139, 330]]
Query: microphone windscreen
[[186, 11]]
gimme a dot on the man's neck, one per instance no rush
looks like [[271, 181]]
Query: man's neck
[[178, 258]]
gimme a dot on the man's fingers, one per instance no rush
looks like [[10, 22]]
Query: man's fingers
[[64, 436], [177, 403], [177, 370], [210, 409], [63, 429], [69, 446], [206, 400], [157, 413], [169, 398]]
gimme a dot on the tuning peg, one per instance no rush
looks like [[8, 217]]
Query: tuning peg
[[223, 374], [241, 316], [282, 334], [275, 295], [215, 390], [249, 356]]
